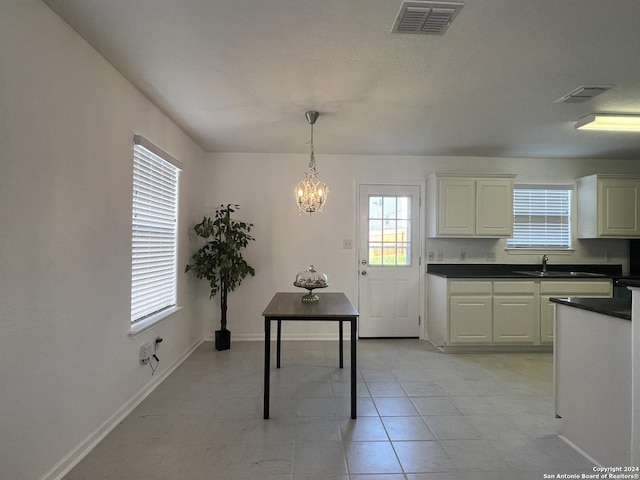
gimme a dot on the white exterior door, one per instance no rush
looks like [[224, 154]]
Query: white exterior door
[[389, 260]]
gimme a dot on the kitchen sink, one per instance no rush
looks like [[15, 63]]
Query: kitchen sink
[[547, 274]]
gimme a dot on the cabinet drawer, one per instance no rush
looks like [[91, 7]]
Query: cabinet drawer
[[515, 287], [470, 287], [568, 288]]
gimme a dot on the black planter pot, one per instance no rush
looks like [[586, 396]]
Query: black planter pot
[[223, 339]]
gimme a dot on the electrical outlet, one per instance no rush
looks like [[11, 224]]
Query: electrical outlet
[[463, 256], [430, 256], [146, 350], [347, 244], [439, 256]]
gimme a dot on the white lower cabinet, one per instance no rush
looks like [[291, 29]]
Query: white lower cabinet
[[514, 319], [515, 311], [471, 319], [546, 319], [470, 312], [499, 314]]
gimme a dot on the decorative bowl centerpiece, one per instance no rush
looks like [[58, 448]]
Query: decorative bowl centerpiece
[[311, 279]]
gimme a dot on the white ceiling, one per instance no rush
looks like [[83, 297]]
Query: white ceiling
[[238, 75]]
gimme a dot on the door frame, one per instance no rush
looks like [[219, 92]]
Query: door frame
[[421, 184]]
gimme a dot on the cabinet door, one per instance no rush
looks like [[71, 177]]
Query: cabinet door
[[494, 207], [618, 207], [546, 320], [456, 207], [470, 319], [514, 319]]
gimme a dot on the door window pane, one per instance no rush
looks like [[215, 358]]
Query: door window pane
[[389, 209], [389, 235], [390, 230], [375, 207], [375, 253], [403, 208]]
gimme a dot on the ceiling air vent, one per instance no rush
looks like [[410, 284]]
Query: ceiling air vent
[[583, 93], [425, 18]]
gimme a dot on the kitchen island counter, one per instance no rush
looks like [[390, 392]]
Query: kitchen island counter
[[593, 376], [614, 307], [629, 282]]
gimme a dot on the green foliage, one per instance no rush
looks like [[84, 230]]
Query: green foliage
[[220, 260]]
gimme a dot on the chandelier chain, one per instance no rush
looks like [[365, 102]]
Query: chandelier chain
[[312, 159]]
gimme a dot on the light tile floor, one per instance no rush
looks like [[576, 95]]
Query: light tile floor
[[422, 415]]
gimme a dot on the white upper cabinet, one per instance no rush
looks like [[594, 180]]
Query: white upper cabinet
[[469, 205], [456, 206], [609, 206], [494, 207]]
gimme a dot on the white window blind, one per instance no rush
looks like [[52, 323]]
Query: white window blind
[[541, 218], [154, 230]]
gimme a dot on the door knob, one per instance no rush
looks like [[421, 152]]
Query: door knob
[[363, 272]]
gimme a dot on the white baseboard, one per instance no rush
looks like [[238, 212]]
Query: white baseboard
[[74, 457], [579, 450], [256, 337]]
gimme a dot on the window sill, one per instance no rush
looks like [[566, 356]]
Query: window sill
[[536, 251], [153, 321]]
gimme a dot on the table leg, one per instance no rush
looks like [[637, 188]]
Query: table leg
[[340, 345], [278, 343], [354, 368], [267, 364]]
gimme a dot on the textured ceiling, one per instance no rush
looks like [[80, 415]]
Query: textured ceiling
[[238, 75]]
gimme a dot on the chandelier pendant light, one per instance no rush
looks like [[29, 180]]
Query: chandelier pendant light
[[311, 193]]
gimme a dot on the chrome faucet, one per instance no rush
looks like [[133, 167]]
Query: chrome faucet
[[545, 259]]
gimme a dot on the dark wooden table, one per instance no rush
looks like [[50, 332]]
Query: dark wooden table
[[331, 307]]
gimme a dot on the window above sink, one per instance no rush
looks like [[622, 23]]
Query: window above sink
[[542, 218]]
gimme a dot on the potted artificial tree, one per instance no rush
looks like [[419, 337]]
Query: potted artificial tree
[[220, 261]]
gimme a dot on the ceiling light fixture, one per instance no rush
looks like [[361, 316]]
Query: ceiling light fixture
[[311, 194], [609, 122]]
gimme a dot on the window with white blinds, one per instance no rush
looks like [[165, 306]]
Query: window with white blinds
[[542, 217], [154, 230]]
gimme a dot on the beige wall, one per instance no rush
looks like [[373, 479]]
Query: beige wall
[[287, 242], [67, 365]]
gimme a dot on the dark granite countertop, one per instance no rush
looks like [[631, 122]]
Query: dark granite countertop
[[509, 270], [628, 282], [614, 307]]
